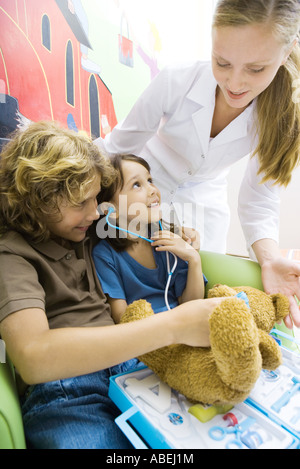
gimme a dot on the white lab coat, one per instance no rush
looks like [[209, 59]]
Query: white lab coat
[[170, 127]]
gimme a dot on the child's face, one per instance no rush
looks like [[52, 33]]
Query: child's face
[[139, 198], [75, 220], [245, 61]]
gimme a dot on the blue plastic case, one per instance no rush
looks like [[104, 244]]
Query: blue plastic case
[[155, 416], [277, 394]]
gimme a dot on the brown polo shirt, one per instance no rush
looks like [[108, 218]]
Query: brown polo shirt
[[63, 282]]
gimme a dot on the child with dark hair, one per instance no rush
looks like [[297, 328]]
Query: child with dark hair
[[131, 265]]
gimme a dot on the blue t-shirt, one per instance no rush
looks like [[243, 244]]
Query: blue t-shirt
[[122, 277]]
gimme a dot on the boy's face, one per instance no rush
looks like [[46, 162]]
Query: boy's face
[[75, 221]]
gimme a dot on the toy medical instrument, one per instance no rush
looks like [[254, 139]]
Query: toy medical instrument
[[286, 397], [112, 210], [170, 270], [218, 433], [252, 439], [296, 417], [271, 376], [231, 419], [242, 296], [205, 413]]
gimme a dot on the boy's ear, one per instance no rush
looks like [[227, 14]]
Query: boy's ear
[[107, 208]]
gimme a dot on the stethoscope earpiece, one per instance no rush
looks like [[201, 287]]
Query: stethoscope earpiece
[[110, 211]]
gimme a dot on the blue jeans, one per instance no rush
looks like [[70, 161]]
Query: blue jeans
[[74, 413]]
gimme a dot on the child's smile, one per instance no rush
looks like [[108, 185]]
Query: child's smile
[[142, 197]]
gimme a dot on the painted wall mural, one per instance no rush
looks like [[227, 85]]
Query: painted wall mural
[[83, 62], [45, 67], [45, 72]]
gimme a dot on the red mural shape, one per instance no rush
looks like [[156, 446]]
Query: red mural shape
[[41, 72]]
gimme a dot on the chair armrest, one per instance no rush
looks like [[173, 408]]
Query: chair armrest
[[230, 270], [11, 424]]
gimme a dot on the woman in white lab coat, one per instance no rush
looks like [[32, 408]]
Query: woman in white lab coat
[[194, 121]]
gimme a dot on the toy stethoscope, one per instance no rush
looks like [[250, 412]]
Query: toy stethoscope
[[170, 270]]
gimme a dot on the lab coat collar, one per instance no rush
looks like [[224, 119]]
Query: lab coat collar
[[203, 92]]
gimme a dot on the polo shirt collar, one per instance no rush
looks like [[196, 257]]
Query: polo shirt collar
[[54, 250]]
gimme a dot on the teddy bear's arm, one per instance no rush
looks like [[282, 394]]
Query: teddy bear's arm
[[270, 352], [235, 344]]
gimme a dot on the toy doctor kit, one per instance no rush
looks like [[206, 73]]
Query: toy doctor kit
[[166, 419], [268, 419], [277, 393]]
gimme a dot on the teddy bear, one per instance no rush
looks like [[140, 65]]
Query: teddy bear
[[226, 372]]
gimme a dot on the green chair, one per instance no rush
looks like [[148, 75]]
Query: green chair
[[11, 425], [218, 268], [230, 270]]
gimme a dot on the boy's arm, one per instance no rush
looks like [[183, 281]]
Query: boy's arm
[[41, 354], [118, 308]]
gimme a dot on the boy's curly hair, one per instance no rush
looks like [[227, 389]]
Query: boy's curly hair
[[39, 168]]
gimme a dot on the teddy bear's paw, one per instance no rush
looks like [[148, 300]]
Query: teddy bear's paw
[[220, 290], [266, 309], [137, 310], [235, 344], [270, 351], [282, 306]]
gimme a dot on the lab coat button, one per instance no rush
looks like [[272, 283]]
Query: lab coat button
[[190, 172]]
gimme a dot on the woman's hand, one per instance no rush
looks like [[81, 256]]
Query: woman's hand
[[281, 275], [191, 236]]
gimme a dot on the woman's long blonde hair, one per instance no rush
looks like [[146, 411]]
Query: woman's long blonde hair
[[278, 107], [40, 168]]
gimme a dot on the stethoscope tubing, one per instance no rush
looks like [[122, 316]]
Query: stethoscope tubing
[[170, 270]]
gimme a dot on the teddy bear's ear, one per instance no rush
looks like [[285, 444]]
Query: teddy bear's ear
[[219, 290], [281, 306]]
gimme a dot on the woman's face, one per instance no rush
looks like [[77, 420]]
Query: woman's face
[[245, 60]]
